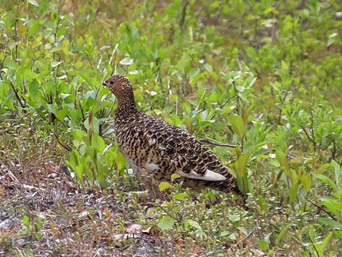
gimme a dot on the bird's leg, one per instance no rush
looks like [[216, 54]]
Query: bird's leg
[[150, 184]]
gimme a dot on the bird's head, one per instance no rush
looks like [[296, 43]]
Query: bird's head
[[122, 89], [120, 86]]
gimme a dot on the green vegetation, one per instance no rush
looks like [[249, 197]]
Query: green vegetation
[[264, 76]]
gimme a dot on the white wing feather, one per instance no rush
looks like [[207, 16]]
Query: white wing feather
[[208, 176]]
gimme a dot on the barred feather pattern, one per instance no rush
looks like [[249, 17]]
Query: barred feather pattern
[[162, 149]]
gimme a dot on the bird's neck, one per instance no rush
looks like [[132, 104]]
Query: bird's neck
[[126, 107]]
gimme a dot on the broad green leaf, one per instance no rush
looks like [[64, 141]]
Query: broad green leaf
[[110, 156], [246, 114], [242, 164], [34, 89], [164, 186], [55, 64], [322, 168], [263, 245], [193, 224], [284, 66], [333, 206], [294, 192], [234, 218], [337, 170], [34, 29], [11, 65], [327, 181], [306, 182], [282, 234], [224, 233], [237, 125], [99, 144], [210, 196], [281, 157], [208, 67], [180, 196], [243, 230], [166, 223], [174, 176], [332, 223], [321, 247], [176, 120], [26, 221], [262, 203], [120, 160]]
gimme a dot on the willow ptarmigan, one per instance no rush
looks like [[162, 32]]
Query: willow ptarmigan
[[159, 149]]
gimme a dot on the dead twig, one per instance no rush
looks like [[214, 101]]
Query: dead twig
[[17, 95], [250, 234], [66, 147], [321, 209], [308, 136], [9, 172], [209, 141]]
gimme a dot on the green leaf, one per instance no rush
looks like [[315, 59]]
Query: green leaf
[[99, 144], [208, 67], [284, 66], [224, 233], [234, 218], [55, 64], [262, 203], [327, 180], [322, 168], [164, 186], [334, 206], [306, 182], [11, 65], [243, 230], [166, 223], [126, 61], [210, 196], [263, 245], [333, 39], [34, 29], [281, 157], [294, 192], [26, 221], [321, 247], [337, 170], [120, 160], [246, 114], [180, 196], [194, 224], [176, 120], [34, 89], [332, 223], [237, 125], [242, 164], [282, 234], [174, 176]]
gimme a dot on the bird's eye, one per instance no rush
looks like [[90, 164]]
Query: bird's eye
[[112, 82]]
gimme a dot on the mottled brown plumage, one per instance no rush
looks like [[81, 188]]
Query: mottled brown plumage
[[161, 149]]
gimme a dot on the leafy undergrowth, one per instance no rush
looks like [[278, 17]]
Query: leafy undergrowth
[[263, 76]]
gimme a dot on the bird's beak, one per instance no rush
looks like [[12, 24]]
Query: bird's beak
[[104, 84]]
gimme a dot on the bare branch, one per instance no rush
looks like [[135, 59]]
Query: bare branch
[[209, 141], [321, 209], [66, 147], [17, 95]]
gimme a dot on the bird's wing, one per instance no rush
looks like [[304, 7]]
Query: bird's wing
[[190, 157]]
